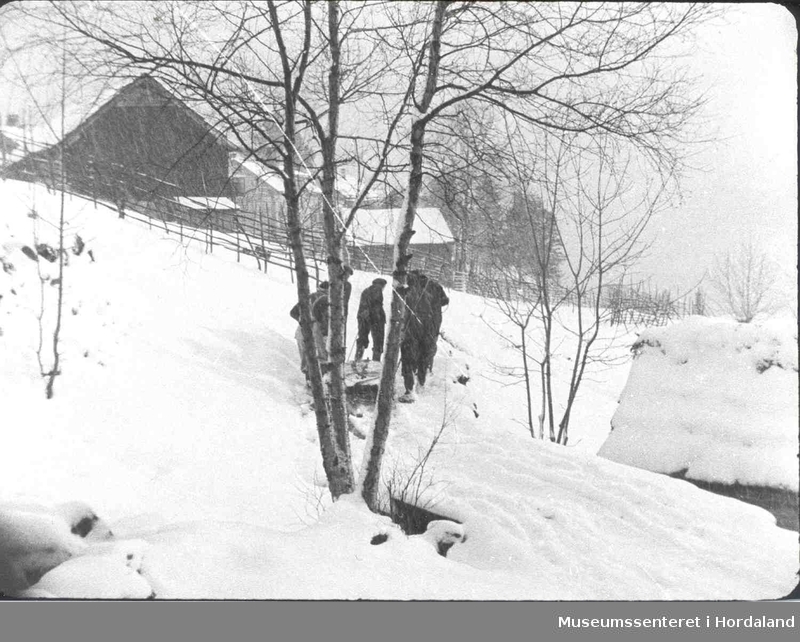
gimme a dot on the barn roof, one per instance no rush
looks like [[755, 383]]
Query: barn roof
[[144, 90], [147, 91], [379, 227]]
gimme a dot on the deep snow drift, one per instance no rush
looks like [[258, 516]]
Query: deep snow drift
[[177, 418], [715, 399]]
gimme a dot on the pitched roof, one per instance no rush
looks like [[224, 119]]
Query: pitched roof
[[146, 90], [379, 227], [143, 90]]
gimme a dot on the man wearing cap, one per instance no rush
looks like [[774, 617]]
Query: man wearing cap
[[371, 320]]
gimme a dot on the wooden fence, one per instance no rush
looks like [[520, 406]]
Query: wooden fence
[[249, 234]]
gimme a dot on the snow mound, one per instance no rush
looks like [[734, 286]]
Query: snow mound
[[714, 400], [572, 526], [97, 577], [35, 539], [350, 553]]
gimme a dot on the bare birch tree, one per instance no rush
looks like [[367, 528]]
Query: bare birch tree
[[744, 279]]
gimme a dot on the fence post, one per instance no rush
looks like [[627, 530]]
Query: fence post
[[261, 232], [460, 281]]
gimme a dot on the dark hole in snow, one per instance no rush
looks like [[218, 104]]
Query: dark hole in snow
[[84, 526], [462, 379], [380, 538], [412, 519], [475, 410], [29, 253]]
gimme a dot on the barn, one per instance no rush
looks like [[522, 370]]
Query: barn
[[143, 148], [373, 236]]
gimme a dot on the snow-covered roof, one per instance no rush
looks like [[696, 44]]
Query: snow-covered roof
[[206, 202], [379, 227], [346, 186], [268, 176]]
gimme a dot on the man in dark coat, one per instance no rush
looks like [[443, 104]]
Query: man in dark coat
[[439, 300], [298, 335], [371, 320], [424, 299]]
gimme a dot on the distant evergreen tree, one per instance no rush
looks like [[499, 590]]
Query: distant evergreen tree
[[526, 238]]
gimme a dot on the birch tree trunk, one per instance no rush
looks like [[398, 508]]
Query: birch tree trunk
[[338, 468], [333, 239], [385, 403]]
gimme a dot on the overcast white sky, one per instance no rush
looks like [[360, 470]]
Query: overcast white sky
[[748, 186]]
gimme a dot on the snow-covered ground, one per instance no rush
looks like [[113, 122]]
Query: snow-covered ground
[[177, 418], [714, 399]]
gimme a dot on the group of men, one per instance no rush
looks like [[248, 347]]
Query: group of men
[[424, 300], [371, 319]]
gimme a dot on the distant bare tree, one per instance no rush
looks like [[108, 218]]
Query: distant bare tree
[[699, 303], [744, 279], [42, 249], [597, 215], [461, 179]]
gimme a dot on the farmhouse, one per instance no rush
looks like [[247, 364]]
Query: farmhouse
[[374, 233], [144, 147]]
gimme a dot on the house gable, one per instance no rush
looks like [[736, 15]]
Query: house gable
[[142, 144]]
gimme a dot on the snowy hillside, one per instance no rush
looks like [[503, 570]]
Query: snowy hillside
[[177, 418]]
